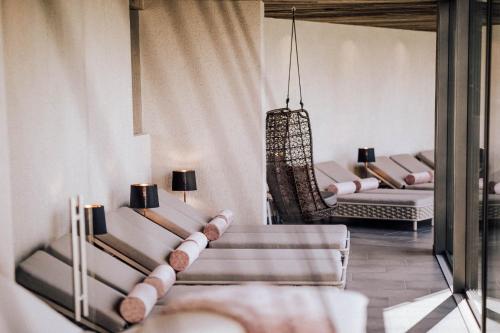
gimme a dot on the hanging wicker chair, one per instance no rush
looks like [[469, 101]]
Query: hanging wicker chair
[[290, 168]]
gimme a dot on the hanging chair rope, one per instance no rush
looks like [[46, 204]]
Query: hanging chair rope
[[293, 38]]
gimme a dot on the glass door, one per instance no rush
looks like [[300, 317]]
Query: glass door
[[492, 195], [475, 152]]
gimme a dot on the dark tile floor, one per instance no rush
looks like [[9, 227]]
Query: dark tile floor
[[395, 268]]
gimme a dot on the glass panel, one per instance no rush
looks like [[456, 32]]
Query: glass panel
[[493, 220], [475, 152]]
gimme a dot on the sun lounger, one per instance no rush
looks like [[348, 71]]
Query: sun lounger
[[197, 220], [394, 175], [427, 156], [183, 225], [380, 204], [410, 163], [145, 245], [51, 279]]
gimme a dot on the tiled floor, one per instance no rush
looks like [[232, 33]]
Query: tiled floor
[[395, 268]]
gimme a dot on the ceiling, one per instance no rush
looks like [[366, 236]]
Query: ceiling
[[398, 14]]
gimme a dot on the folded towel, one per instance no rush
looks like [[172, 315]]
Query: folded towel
[[186, 253], [366, 184], [494, 188], [138, 303], [215, 228], [227, 215], [342, 188], [419, 178], [262, 308], [162, 278]]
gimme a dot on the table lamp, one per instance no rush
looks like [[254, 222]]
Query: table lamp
[[366, 155], [95, 220], [184, 180], [144, 196]]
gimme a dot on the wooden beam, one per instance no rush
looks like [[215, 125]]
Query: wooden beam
[[401, 14], [136, 4]]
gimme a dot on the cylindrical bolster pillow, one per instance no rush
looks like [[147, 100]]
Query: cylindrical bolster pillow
[[184, 255], [227, 215], [138, 303], [215, 228], [418, 178], [342, 188], [494, 188], [162, 278], [199, 238], [366, 184]]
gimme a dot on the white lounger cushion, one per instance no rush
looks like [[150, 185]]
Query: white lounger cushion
[[410, 163], [424, 186], [308, 272], [390, 171], [427, 157], [264, 254], [281, 241], [102, 265], [53, 279], [414, 200], [335, 171], [289, 228]]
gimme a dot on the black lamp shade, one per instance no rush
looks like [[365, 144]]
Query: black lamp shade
[[98, 226], [144, 196], [366, 155], [184, 180]]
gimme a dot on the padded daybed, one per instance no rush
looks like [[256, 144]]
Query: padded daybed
[[378, 204], [50, 277], [183, 221], [145, 245]]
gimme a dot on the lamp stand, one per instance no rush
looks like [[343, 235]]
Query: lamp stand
[[184, 196]]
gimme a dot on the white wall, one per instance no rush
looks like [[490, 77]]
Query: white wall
[[67, 67], [201, 92], [362, 86], [6, 242]]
